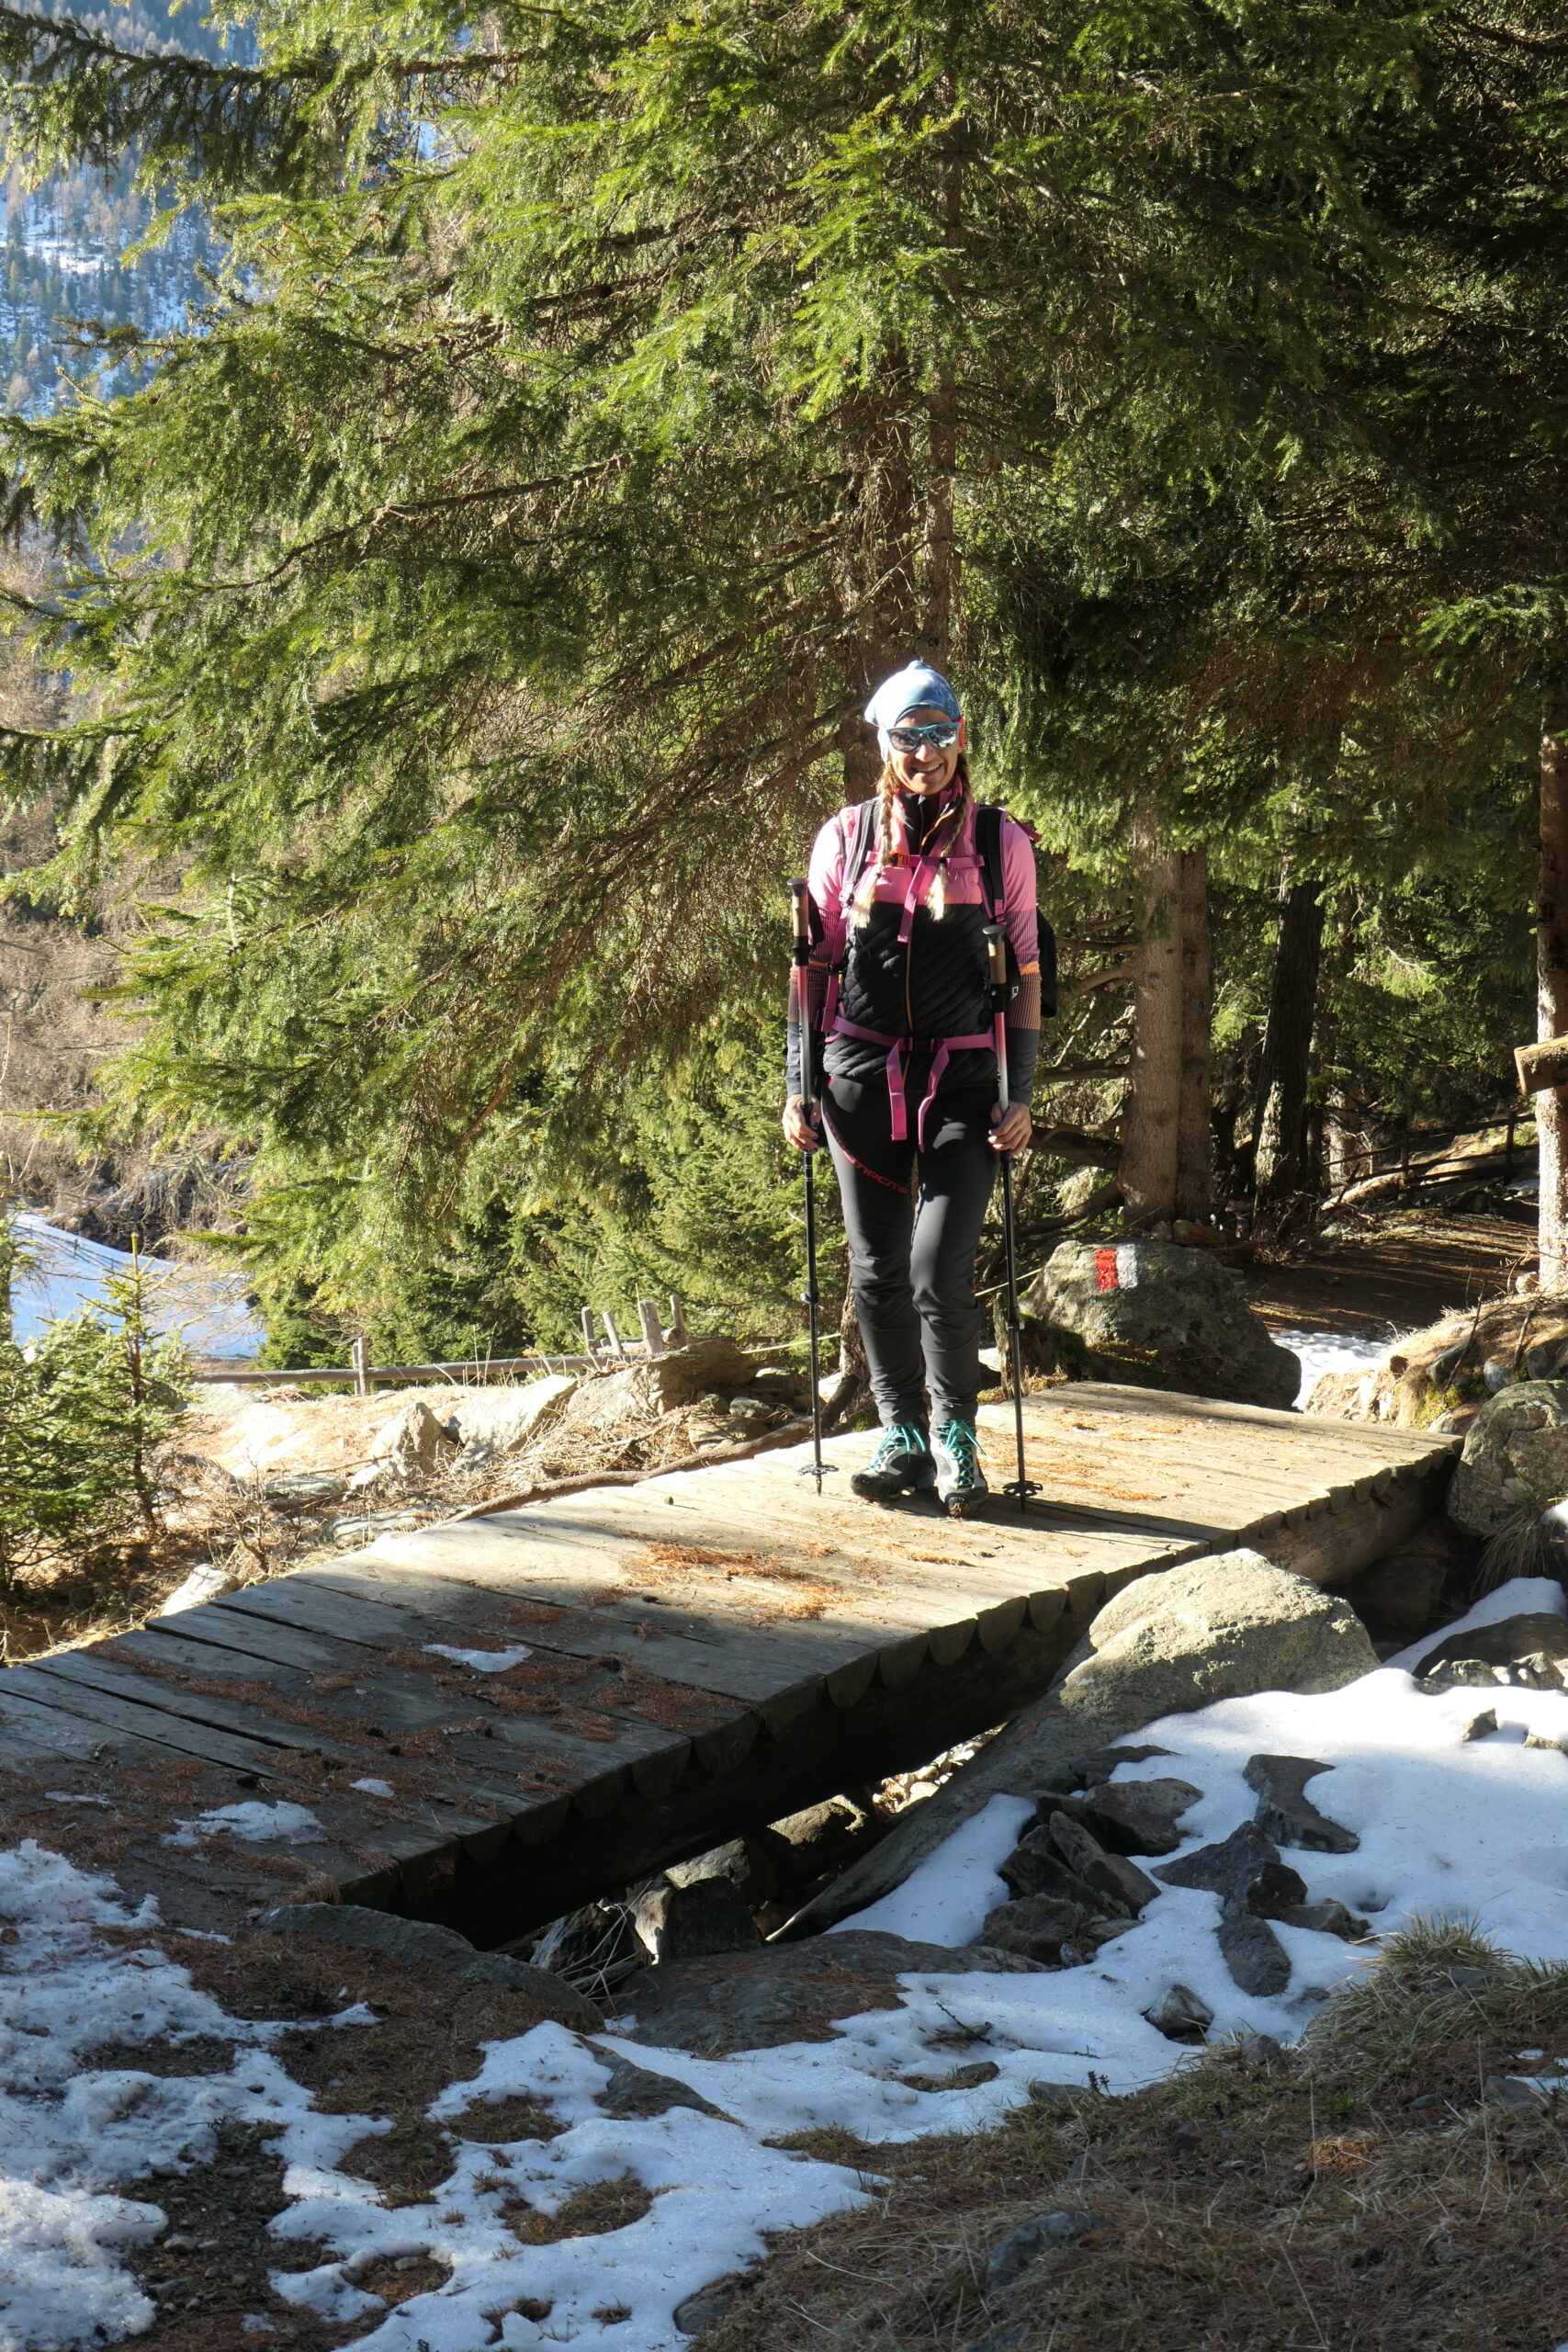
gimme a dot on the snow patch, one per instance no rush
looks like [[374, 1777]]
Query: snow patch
[[482, 1661], [254, 1824]]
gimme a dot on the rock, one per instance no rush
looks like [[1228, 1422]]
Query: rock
[[778, 1993], [1035, 1867], [1286, 1814], [638, 2091], [1253, 1952], [1243, 1869], [1110, 1875], [204, 1583], [689, 1922], [1218, 1628], [1092, 1770], [1401, 1592], [492, 1423], [414, 1442], [1516, 1456], [1481, 1726], [596, 1942], [420, 1943], [1180, 1307], [749, 1415], [1538, 1636], [642, 1390], [744, 1861], [1130, 1817], [1180, 2015], [1498, 1372], [959, 2078], [1035, 1924], [1215, 1628], [1024, 2246], [293, 1491], [1521, 2094], [707, 2308], [1328, 1917]]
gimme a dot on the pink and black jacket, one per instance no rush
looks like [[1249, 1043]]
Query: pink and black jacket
[[904, 980]]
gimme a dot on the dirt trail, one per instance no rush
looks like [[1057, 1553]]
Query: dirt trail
[[1407, 1272]]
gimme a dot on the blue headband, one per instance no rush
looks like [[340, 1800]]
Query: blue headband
[[909, 689]]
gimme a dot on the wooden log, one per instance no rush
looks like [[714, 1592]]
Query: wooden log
[[360, 1356], [1543, 1067]]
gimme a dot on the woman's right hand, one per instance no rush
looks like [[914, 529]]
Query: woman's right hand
[[800, 1132]]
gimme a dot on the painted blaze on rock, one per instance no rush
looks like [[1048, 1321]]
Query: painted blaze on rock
[[1179, 1309]]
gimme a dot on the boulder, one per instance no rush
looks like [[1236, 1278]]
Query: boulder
[[1128, 1816], [1327, 1917], [413, 1442], [1178, 1313], [1118, 1882], [1257, 1960], [1244, 1870], [492, 1423], [779, 1993], [1038, 1925], [1537, 1639], [691, 1921], [1217, 1628], [640, 1392], [1515, 1458], [205, 1582], [420, 1943]]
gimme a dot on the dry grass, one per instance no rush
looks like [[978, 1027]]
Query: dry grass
[[1352, 2195], [590, 2213]]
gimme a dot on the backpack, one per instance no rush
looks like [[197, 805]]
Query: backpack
[[989, 818]]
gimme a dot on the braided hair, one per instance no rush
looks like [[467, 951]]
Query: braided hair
[[887, 801]]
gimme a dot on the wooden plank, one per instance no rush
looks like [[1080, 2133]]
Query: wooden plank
[[404, 1705], [368, 1627], [34, 1729], [732, 1669]]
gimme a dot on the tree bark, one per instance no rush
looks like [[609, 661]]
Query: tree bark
[[878, 588], [1194, 1125], [1280, 1151], [1551, 984], [1151, 1113]]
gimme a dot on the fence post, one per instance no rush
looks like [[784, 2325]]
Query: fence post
[[679, 1335], [588, 1340], [360, 1356], [616, 1343], [653, 1338]]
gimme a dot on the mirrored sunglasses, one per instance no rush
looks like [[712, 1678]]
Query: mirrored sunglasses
[[941, 735]]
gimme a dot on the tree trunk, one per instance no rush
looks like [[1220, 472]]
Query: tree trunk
[[878, 588], [1151, 1113], [1279, 1155], [1194, 1124], [1552, 986], [939, 563]]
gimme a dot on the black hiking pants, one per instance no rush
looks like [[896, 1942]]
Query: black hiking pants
[[913, 1219]]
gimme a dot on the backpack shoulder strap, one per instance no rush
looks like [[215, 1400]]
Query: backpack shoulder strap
[[858, 850], [988, 849]]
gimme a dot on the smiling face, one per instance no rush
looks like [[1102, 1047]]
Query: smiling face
[[928, 767]]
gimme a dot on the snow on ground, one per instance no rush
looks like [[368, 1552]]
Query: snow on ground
[[65, 1272], [1474, 1830], [1321, 1351]]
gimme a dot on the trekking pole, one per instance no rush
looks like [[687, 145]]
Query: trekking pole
[[800, 991], [1023, 1486]]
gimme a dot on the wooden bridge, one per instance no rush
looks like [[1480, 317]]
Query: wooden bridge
[[652, 1668]]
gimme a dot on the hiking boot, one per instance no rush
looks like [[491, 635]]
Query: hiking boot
[[902, 1464], [960, 1481]]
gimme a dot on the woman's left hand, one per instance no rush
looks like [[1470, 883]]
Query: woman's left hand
[[1010, 1128]]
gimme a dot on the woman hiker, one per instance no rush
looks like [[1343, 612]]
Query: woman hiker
[[898, 987]]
